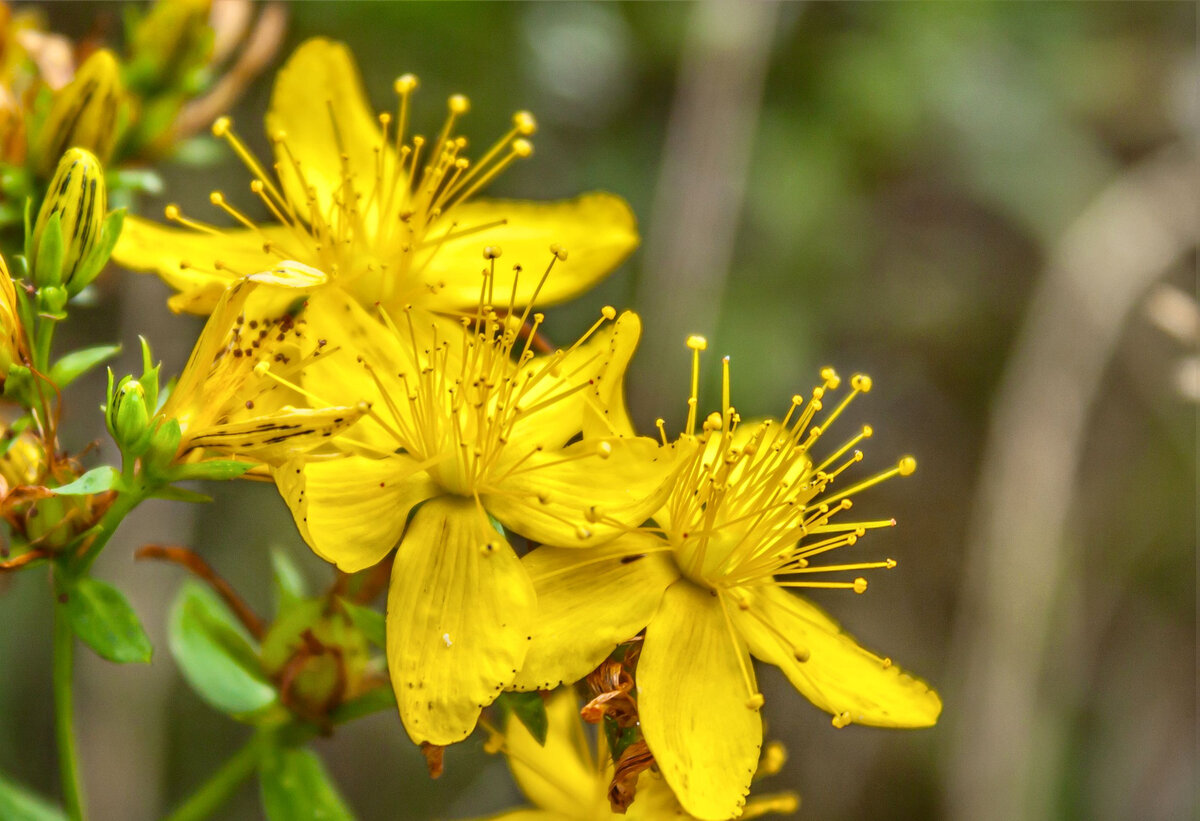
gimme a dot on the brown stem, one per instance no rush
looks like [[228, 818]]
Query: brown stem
[[201, 569], [24, 559]]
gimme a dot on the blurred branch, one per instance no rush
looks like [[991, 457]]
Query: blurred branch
[[1019, 550], [701, 187]]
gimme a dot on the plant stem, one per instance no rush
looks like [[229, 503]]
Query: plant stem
[[125, 502], [64, 713], [221, 786]]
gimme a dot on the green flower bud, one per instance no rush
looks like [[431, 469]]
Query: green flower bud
[[84, 113], [318, 655], [168, 43], [70, 223], [128, 419]]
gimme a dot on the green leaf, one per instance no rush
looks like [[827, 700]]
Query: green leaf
[[20, 804], [75, 364], [181, 494], [369, 622], [48, 258], [289, 582], [103, 619], [296, 787], [373, 701], [216, 469], [530, 710], [215, 653], [95, 480]]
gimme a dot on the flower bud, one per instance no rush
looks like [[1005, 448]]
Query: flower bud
[[70, 223], [323, 654], [84, 113], [168, 43], [12, 335], [128, 418], [23, 461]]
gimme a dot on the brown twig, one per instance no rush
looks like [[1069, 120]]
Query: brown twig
[[201, 569], [24, 559]]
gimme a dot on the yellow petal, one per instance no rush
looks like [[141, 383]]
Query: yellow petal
[[839, 676], [526, 815], [460, 613], [319, 103], [276, 436], [185, 259], [589, 601], [692, 698], [598, 231], [578, 497], [654, 800], [352, 510], [560, 776]]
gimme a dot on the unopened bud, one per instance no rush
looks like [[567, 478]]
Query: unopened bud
[[12, 335], [23, 461], [169, 42], [70, 222], [128, 418], [84, 113]]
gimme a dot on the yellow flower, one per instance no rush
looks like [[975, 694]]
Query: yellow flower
[[751, 513], [12, 334], [468, 423], [234, 395], [84, 113], [390, 218], [566, 782]]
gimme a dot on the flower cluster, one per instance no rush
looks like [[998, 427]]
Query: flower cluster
[[376, 348]]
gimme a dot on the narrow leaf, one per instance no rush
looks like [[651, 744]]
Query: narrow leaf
[[103, 619], [75, 364], [289, 582], [216, 469], [296, 787], [215, 653], [96, 480], [19, 804]]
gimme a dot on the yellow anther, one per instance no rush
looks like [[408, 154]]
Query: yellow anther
[[868, 431], [459, 104], [171, 212], [524, 122], [887, 663], [889, 564], [608, 312], [582, 532], [755, 701], [216, 198], [774, 756], [697, 343], [279, 136], [907, 466], [860, 585], [797, 400], [256, 186], [604, 450], [861, 382], [593, 514], [559, 252], [221, 127], [841, 720], [713, 421], [539, 318], [522, 148], [262, 367], [492, 252], [801, 654], [405, 83]]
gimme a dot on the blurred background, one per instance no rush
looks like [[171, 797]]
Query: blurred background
[[991, 208]]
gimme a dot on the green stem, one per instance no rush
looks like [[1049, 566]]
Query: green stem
[[125, 502], [64, 713], [221, 786]]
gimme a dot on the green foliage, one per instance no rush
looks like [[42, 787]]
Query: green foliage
[[96, 480], [530, 710], [75, 364], [101, 616], [369, 622], [19, 804], [287, 580], [215, 469], [215, 654], [296, 787]]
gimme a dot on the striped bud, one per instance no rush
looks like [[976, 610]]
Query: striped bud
[[171, 40], [70, 221], [84, 113]]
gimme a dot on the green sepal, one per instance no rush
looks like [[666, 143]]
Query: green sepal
[[619, 738], [215, 654], [180, 494], [215, 469], [377, 700], [287, 580], [530, 710], [149, 377], [75, 364], [295, 787], [20, 804], [91, 266], [48, 257], [102, 618], [370, 623], [164, 444], [96, 480]]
